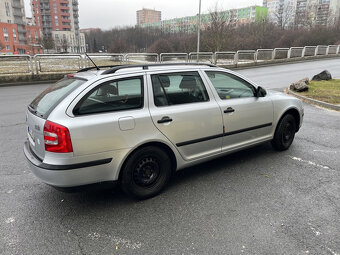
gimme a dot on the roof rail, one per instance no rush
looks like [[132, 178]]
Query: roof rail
[[94, 67], [146, 66]]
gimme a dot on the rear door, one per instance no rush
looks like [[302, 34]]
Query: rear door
[[186, 113], [41, 107], [247, 119]]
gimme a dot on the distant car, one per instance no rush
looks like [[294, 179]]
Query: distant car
[[138, 124]]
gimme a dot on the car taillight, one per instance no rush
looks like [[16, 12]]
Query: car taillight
[[57, 138]]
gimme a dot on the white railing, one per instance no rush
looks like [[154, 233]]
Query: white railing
[[16, 64], [57, 63], [138, 58], [295, 52], [63, 63], [173, 57], [225, 58], [245, 56], [104, 59], [264, 55], [202, 57]]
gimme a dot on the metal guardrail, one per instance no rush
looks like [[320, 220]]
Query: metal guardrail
[[69, 63], [225, 57], [103, 59], [16, 64], [245, 56], [141, 58], [280, 53], [63, 63], [264, 54], [201, 57], [295, 52], [173, 57], [321, 50], [332, 49], [309, 51]]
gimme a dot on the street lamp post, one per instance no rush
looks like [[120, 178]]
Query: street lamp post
[[198, 31]]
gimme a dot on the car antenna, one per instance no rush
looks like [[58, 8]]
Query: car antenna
[[92, 61]]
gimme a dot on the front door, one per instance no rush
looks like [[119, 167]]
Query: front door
[[247, 119]]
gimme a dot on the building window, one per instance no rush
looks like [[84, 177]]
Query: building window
[[36, 35], [56, 20], [8, 13], [7, 47], [55, 7], [5, 34], [14, 35]]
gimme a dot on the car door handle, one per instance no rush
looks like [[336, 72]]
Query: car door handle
[[229, 110], [165, 119]]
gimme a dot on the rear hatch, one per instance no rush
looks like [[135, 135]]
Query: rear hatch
[[42, 106]]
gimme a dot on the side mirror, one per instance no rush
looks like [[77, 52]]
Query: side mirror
[[261, 92]]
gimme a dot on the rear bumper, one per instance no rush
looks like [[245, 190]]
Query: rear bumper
[[70, 175]]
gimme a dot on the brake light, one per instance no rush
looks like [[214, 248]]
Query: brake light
[[57, 138]]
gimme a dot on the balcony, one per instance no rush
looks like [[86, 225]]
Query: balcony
[[17, 5]]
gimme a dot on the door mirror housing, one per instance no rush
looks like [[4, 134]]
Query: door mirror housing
[[261, 92]]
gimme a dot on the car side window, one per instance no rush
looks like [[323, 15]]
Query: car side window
[[230, 86], [116, 95], [178, 88]]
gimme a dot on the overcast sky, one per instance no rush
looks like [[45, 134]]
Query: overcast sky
[[106, 14]]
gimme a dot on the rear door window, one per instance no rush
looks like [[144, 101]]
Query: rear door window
[[178, 88], [43, 104], [115, 95]]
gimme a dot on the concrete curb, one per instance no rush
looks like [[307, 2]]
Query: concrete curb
[[313, 101]]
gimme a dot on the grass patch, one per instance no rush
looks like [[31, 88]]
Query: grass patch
[[326, 91]]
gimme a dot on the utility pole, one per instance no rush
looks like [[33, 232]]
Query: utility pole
[[198, 31]]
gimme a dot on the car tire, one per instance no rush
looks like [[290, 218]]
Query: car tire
[[146, 172], [284, 133]]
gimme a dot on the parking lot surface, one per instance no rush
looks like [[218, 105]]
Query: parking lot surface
[[257, 201]]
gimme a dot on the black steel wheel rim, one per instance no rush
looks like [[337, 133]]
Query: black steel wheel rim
[[146, 172], [287, 133]]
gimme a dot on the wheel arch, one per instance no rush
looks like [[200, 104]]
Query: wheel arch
[[158, 144], [295, 113]]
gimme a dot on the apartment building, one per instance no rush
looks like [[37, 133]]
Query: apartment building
[[189, 24], [16, 35], [146, 16], [281, 12], [59, 20], [303, 13]]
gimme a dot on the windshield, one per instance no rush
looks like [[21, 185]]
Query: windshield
[[43, 104]]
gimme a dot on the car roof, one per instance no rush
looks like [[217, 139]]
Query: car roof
[[89, 73]]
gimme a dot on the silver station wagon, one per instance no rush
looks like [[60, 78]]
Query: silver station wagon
[[138, 124]]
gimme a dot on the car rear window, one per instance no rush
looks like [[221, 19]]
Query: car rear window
[[43, 104]]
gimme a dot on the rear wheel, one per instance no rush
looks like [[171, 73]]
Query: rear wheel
[[285, 133], [146, 172]]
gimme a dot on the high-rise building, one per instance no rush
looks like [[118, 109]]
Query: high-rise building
[[188, 24], [281, 12], [16, 36], [303, 13], [59, 20], [146, 16]]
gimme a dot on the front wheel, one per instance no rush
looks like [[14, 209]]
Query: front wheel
[[285, 133], [146, 172]]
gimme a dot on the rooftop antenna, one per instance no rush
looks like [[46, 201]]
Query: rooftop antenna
[[92, 61]]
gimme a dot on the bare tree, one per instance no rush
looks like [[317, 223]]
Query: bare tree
[[216, 31], [284, 17], [64, 45], [47, 42]]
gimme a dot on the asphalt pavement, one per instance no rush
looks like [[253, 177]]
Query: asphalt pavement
[[257, 201]]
